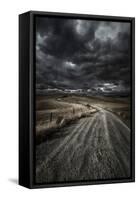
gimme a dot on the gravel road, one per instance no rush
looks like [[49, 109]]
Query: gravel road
[[96, 147]]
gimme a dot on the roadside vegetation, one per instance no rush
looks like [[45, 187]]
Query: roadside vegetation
[[53, 113]]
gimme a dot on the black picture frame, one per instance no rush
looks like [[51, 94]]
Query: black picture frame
[[27, 97]]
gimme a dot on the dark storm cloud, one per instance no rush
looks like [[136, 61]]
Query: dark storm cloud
[[80, 53], [63, 37]]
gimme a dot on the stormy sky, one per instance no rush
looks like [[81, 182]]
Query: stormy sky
[[82, 54]]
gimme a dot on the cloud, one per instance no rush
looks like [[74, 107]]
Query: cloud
[[74, 53]]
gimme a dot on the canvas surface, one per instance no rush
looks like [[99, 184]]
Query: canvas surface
[[83, 100]]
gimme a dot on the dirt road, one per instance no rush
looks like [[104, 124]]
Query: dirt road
[[96, 147]]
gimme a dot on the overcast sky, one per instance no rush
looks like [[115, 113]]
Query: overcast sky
[[76, 54]]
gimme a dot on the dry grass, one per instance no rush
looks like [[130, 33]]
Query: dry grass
[[58, 114], [54, 113]]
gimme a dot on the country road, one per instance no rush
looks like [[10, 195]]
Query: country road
[[96, 147]]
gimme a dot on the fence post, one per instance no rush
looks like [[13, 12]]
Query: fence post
[[51, 117]]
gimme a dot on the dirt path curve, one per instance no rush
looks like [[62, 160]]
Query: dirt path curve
[[96, 147]]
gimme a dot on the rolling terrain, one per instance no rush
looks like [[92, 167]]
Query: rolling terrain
[[94, 147]]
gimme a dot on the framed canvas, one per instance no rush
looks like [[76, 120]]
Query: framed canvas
[[76, 99]]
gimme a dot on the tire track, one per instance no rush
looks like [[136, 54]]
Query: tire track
[[80, 138], [93, 148], [62, 144]]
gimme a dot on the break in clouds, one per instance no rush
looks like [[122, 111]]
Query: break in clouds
[[82, 54]]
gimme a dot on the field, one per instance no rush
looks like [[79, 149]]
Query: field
[[82, 138], [55, 112]]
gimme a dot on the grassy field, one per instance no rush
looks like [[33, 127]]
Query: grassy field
[[54, 112]]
